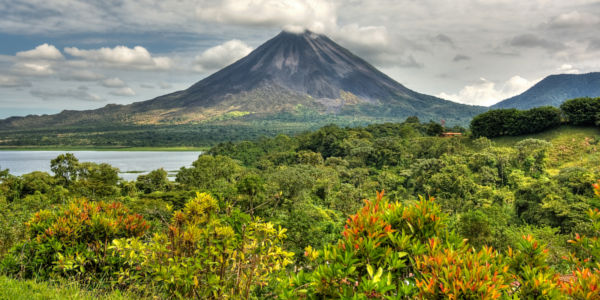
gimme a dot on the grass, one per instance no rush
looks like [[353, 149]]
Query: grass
[[32, 290], [560, 134], [572, 146]]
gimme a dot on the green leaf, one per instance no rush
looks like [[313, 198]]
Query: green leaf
[[370, 270]]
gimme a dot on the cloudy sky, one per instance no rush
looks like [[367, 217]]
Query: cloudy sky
[[69, 54]]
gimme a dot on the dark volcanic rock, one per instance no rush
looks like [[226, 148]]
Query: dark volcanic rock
[[306, 63]]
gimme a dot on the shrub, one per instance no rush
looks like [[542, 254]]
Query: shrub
[[581, 111], [528, 263], [584, 282], [496, 122], [73, 241], [446, 273], [513, 122], [206, 254], [374, 257]]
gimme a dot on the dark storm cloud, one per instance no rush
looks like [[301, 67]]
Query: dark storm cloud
[[460, 57], [444, 39], [533, 41]]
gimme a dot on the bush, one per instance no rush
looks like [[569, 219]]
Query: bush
[[374, 257], [73, 241], [494, 123], [513, 122], [446, 273], [581, 111], [206, 254], [585, 278]]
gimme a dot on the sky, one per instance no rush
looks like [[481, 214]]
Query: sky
[[69, 54]]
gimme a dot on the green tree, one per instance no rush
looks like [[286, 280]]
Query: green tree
[[581, 111], [434, 129], [212, 173], [539, 119], [496, 122], [65, 168], [154, 181], [327, 141], [96, 181]]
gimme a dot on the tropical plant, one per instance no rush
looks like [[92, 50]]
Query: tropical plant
[[206, 253]]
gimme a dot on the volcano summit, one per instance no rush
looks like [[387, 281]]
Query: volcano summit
[[302, 78]]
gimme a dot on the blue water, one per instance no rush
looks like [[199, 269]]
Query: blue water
[[23, 162]]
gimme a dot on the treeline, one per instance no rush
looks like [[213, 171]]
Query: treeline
[[513, 122], [284, 218], [204, 134]]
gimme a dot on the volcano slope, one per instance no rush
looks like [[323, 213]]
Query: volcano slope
[[291, 83]]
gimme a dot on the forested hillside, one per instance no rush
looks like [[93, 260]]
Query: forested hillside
[[285, 218], [554, 90]]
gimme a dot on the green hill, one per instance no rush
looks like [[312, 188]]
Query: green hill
[[554, 90]]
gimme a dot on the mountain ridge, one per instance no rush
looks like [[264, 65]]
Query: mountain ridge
[[553, 90]]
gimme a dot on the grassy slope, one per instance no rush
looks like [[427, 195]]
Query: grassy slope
[[571, 146], [32, 290]]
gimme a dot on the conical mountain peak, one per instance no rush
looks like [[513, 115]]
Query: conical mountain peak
[[306, 63], [294, 72]]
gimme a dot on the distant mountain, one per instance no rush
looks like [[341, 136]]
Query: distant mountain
[[554, 90], [289, 75]]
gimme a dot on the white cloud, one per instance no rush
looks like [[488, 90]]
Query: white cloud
[[76, 16], [367, 36], [13, 81], [573, 19], [75, 94], [33, 68], [568, 69], [315, 15], [124, 92], [485, 92], [221, 55], [114, 82], [80, 75], [42, 52], [122, 57]]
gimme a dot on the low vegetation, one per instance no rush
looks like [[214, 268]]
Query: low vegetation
[[513, 122], [285, 218]]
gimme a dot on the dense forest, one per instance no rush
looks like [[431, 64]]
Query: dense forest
[[201, 134], [387, 211]]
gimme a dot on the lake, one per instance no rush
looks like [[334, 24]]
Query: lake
[[130, 163]]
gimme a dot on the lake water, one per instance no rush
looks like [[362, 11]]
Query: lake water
[[23, 162]]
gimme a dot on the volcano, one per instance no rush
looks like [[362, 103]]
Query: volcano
[[291, 74]]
